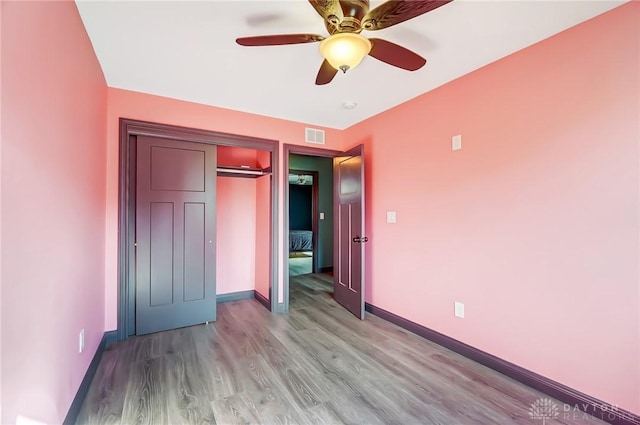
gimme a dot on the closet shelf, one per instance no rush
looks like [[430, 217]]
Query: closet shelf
[[247, 172]]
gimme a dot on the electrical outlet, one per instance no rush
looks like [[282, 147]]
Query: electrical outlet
[[321, 216], [81, 341], [458, 309]]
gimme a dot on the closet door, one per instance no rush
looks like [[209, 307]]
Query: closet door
[[175, 234]]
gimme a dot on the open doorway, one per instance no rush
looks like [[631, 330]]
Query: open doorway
[[344, 222], [309, 202], [303, 222]]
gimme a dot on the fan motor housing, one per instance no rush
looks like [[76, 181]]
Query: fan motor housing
[[353, 12]]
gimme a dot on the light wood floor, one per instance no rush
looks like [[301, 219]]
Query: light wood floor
[[314, 365], [300, 265]]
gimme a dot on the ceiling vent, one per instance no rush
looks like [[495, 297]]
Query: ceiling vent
[[313, 135]]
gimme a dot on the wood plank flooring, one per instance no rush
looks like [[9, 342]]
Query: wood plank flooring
[[300, 265], [315, 365]]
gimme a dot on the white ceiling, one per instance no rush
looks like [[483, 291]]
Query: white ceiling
[[187, 50]]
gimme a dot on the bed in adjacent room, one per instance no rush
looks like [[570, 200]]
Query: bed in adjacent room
[[300, 240]]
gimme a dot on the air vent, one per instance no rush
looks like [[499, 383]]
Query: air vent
[[313, 135]]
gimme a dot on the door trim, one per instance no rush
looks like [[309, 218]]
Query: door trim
[[299, 150], [315, 208], [129, 130]]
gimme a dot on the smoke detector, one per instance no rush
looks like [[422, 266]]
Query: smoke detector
[[349, 105]]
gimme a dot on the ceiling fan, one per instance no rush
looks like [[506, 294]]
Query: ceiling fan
[[345, 47]]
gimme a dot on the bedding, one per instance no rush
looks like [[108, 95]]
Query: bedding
[[300, 240]]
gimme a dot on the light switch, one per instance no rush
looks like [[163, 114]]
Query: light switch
[[458, 310], [391, 216], [456, 142], [321, 216]]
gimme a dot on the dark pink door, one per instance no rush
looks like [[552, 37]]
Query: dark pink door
[[348, 281], [175, 234]]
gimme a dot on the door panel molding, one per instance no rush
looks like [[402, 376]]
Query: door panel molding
[[194, 251], [129, 131], [161, 271]]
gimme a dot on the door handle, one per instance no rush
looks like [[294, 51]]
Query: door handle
[[365, 239], [359, 239]]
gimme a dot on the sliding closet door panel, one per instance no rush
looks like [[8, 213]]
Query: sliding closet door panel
[[175, 234]]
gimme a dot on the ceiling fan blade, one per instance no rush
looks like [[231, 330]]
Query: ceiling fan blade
[[393, 12], [395, 55], [325, 74], [328, 8], [279, 39]]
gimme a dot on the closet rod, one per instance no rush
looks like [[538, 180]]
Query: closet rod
[[242, 171]]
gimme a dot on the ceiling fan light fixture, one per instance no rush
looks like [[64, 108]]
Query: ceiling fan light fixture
[[345, 50]]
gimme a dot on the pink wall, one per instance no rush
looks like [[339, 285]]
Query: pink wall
[[534, 223], [236, 216], [237, 157], [133, 105], [236, 234], [53, 207]]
